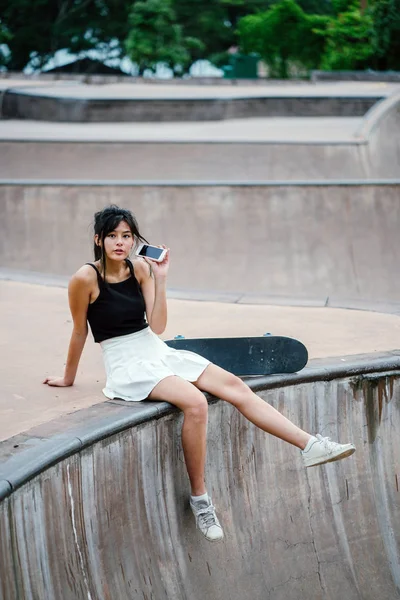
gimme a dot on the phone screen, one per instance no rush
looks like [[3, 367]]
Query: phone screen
[[151, 251]]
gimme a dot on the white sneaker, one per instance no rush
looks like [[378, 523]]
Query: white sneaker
[[320, 450], [206, 520]]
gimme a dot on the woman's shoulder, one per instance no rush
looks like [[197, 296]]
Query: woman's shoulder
[[141, 268], [86, 275]]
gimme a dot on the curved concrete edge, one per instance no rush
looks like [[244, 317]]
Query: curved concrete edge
[[5, 489], [30, 453], [376, 115], [200, 183], [381, 129], [26, 455], [185, 142], [35, 91], [328, 369]]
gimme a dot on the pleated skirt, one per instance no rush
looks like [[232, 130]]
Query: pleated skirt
[[137, 362]]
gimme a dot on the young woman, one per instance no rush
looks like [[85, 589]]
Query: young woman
[[125, 305]]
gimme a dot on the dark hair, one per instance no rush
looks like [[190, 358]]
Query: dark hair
[[107, 220]]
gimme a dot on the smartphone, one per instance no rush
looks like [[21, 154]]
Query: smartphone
[[152, 252]]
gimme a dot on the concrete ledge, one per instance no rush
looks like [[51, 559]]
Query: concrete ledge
[[20, 104], [376, 115], [197, 183], [26, 455], [5, 489], [107, 79], [386, 76], [113, 521], [229, 152], [204, 144]]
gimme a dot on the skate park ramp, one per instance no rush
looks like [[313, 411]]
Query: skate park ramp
[[74, 102], [94, 506], [326, 231], [323, 243], [360, 144]]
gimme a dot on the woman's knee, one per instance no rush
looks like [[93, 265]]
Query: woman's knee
[[197, 408], [236, 391]]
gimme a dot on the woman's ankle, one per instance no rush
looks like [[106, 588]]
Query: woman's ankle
[[199, 497], [199, 490]]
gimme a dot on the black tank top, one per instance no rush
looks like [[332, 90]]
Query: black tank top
[[118, 310]]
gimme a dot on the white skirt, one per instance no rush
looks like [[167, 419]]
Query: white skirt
[[137, 362]]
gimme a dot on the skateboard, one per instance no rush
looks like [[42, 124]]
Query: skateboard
[[264, 355]]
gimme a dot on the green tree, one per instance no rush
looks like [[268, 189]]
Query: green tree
[[214, 22], [283, 36], [348, 37], [38, 28], [386, 34], [155, 37]]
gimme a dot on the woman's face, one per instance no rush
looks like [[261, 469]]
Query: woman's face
[[119, 243]]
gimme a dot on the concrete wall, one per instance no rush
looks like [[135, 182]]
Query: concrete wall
[[20, 104], [381, 129], [104, 79], [112, 521], [146, 161], [389, 76], [100, 79], [340, 241], [374, 153]]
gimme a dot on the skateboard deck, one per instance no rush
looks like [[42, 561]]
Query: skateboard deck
[[264, 355]]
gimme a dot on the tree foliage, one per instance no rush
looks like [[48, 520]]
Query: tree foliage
[[155, 37], [38, 28], [386, 34], [283, 36], [348, 37], [214, 22], [305, 34]]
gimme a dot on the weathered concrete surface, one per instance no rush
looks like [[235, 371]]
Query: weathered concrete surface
[[277, 129], [35, 325], [308, 241], [19, 104], [171, 91], [144, 102], [190, 161], [381, 129], [239, 150], [112, 521], [376, 76]]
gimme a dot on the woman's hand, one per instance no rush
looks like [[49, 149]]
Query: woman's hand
[[160, 269], [57, 382]]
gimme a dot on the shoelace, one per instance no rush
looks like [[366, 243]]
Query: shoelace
[[326, 442], [207, 515]]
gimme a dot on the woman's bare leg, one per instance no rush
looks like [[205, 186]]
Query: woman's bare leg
[[226, 386], [194, 405]]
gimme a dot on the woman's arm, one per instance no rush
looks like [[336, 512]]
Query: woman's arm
[[153, 283], [79, 296]]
